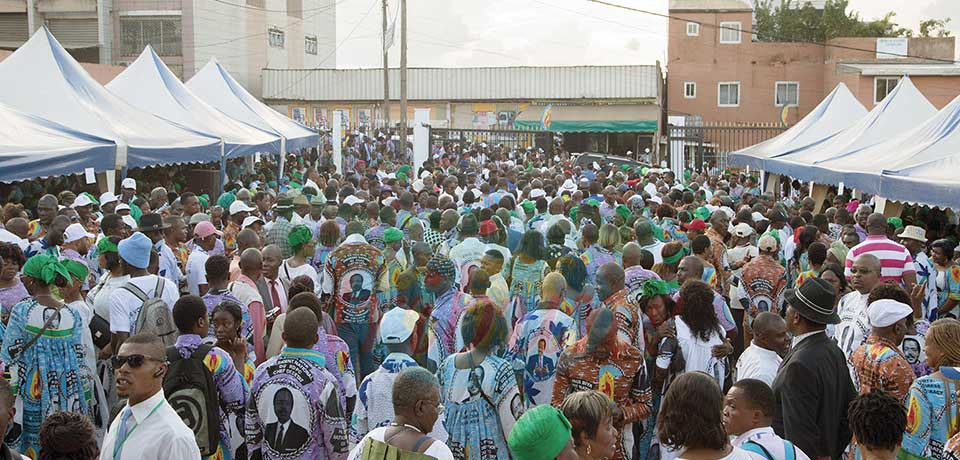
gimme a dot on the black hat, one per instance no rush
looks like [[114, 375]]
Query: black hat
[[151, 223], [814, 301]]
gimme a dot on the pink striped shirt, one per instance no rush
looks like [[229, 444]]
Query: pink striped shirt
[[895, 260]]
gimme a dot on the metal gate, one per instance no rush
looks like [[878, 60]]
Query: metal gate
[[507, 138], [706, 146]]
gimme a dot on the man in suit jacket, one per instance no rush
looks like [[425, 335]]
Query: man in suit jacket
[[271, 280], [284, 435], [813, 386]]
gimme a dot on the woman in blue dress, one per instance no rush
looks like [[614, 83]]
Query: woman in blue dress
[[43, 344], [525, 275], [478, 389]]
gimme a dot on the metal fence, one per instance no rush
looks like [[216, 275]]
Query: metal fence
[[708, 145], [507, 138]]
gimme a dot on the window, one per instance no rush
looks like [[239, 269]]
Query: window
[[693, 29], [277, 37], [787, 94], [730, 32], [728, 94], [310, 45], [163, 33], [883, 86], [689, 90]]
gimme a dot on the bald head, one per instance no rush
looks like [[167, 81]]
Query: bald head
[[251, 263], [869, 261], [247, 238], [18, 226], [609, 279], [553, 287], [876, 224], [272, 250], [300, 328], [691, 267], [632, 253], [766, 322]]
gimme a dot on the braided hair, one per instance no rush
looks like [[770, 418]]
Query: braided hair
[[67, 436]]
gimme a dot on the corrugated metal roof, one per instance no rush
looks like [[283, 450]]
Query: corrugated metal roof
[[466, 84], [710, 5], [897, 70]]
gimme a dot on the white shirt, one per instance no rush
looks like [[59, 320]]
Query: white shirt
[[288, 273], [758, 363], [656, 248], [196, 270], [770, 441], [159, 434], [99, 296], [498, 291], [854, 328], [437, 449], [470, 249], [124, 306], [168, 263]]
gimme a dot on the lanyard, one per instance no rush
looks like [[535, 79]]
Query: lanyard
[[119, 444]]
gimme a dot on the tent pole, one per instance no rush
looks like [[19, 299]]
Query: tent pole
[[223, 168]]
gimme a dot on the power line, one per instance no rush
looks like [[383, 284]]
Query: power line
[[260, 34], [752, 32]]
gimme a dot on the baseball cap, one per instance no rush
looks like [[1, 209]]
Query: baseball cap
[[250, 220], [75, 232], [107, 197], [205, 229], [767, 243], [239, 206], [742, 230], [695, 224], [82, 200], [130, 221], [886, 312], [397, 325], [122, 207], [129, 183]]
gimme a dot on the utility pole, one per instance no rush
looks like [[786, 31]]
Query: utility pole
[[386, 73], [403, 78]]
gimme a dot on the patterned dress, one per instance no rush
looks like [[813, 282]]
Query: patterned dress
[[534, 349], [482, 404], [629, 321], [948, 287], [10, 296], [593, 257], [931, 416], [881, 365], [525, 282], [49, 376], [442, 331], [295, 384], [213, 298]]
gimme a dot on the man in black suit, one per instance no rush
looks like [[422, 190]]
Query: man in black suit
[[813, 386], [284, 436]]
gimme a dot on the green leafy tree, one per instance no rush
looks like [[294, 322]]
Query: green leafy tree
[[934, 28], [799, 21]]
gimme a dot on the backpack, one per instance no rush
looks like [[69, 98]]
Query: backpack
[[155, 317], [790, 451], [191, 391]]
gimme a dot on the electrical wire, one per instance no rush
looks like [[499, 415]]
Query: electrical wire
[[752, 32], [260, 34]]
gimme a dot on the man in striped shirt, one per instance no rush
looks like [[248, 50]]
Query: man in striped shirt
[[896, 263]]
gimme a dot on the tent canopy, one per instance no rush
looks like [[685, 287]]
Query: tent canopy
[[591, 119], [936, 138], [837, 111], [902, 108], [33, 147], [149, 83], [41, 78], [214, 85]]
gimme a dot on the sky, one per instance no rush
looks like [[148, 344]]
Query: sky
[[473, 33]]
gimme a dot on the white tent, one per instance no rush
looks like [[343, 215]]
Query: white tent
[[33, 147], [214, 85], [149, 84], [41, 78], [903, 108], [837, 111]]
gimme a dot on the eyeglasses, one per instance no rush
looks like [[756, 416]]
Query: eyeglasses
[[863, 271], [134, 361]]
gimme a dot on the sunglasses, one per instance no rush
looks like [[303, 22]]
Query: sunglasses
[[134, 361]]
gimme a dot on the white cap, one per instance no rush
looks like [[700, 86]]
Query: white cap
[[742, 229], [352, 200], [757, 217], [129, 221], [655, 199], [537, 193], [568, 186], [121, 207], [425, 174], [886, 312], [239, 206], [389, 200], [107, 198], [82, 200], [250, 220], [75, 232], [129, 183], [397, 325]]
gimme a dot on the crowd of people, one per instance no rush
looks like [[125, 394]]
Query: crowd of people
[[493, 304]]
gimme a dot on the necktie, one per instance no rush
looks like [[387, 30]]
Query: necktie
[[123, 432], [274, 294], [279, 437]]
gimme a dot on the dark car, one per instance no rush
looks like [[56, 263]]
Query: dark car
[[586, 160]]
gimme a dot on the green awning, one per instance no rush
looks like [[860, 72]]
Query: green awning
[[625, 118]]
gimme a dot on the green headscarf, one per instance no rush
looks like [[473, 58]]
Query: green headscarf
[[298, 236], [593, 202], [839, 251], [702, 213], [204, 201], [403, 169], [540, 433], [655, 287], [676, 257], [896, 221], [76, 269], [403, 176], [105, 245], [45, 268], [226, 199], [573, 213], [623, 211]]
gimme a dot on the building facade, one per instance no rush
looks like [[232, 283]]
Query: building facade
[[244, 35], [611, 109], [719, 73]]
